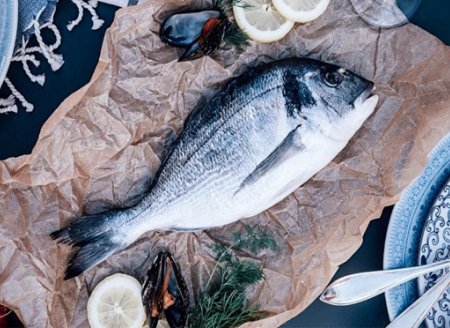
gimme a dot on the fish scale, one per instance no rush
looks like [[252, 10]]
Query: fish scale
[[240, 158], [257, 140]]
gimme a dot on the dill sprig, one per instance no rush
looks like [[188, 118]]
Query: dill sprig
[[227, 5], [223, 302], [233, 34], [255, 239]]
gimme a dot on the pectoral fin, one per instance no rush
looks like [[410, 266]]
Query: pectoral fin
[[290, 146]]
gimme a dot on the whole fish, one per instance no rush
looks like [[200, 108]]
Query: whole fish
[[261, 137]]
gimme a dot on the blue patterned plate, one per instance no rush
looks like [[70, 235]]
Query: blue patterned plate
[[404, 233], [8, 30], [435, 247]]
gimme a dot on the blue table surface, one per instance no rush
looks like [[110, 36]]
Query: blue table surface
[[81, 48]]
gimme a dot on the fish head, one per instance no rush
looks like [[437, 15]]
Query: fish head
[[334, 98]]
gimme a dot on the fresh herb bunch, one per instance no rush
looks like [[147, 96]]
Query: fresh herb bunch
[[227, 5], [223, 302], [254, 240], [233, 34], [235, 37]]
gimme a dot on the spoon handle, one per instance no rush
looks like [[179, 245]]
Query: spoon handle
[[362, 286], [414, 315]]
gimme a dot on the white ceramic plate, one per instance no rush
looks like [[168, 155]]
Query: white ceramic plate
[[8, 30]]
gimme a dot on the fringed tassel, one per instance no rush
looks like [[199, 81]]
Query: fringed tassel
[[26, 55], [8, 105], [89, 6], [17, 96]]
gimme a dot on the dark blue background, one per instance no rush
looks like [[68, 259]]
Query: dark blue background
[[81, 47]]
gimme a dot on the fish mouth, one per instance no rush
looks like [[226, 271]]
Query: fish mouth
[[366, 97]]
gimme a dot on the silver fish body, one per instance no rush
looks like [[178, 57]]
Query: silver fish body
[[261, 137]]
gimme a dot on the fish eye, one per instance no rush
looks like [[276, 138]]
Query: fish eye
[[333, 78]]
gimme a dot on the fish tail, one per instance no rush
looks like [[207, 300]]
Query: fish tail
[[94, 238]]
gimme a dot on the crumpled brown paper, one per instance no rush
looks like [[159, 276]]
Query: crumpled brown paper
[[104, 143]]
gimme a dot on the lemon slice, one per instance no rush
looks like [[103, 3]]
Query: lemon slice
[[301, 11], [261, 21], [116, 303]]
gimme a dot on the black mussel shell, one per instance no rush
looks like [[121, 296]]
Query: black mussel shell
[[152, 289], [176, 315], [210, 39], [165, 291], [183, 29]]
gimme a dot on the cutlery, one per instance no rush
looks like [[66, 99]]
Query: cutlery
[[414, 315], [362, 286]]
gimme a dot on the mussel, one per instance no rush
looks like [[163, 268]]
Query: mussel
[[200, 32], [165, 292]]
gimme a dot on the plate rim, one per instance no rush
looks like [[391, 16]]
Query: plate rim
[[430, 173], [14, 14]]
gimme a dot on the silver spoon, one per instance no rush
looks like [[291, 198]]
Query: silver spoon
[[362, 286], [414, 315]]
